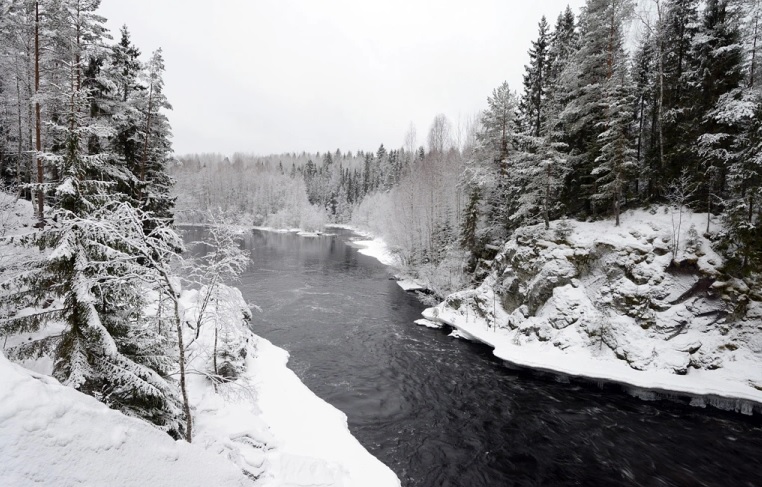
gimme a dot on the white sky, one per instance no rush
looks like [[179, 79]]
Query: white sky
[[271, 76]]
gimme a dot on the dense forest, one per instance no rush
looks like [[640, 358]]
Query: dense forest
[[619, 109]]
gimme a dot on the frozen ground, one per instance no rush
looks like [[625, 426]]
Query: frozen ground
[[54, 435], [265, 428]]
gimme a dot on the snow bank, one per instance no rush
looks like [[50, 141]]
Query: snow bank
[[410, 285], [264, 425], [370, 245], [611, 303], [53, 435], [266, 420], [724, 390]]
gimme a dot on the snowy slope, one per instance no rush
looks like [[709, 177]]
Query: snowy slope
[[54, 435], [267, 420], [266, 428], [610, 303]]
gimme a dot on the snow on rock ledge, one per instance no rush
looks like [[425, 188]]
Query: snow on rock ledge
[[608, 303]]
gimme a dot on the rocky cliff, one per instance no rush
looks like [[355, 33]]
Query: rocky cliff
[[648, 296]]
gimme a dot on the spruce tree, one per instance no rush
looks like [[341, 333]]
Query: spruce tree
[[496, 140], [719, 60], [536, 79], [616, 163], [155, 185], [585, 80], [90, 277], [680, 93]]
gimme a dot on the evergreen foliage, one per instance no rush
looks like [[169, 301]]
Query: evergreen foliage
[[103, 235]]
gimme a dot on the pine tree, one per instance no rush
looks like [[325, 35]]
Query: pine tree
[[124, 71], [742, 109], [585, 79], [468, 230], [564, 42], [496, 138], [155, 184], [536, 79], [720, 66], [645, 106], [109, 348], [678, 92], [616, 163]]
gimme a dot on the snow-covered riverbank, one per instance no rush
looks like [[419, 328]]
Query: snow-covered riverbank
[[268, 422], [608, 304], [265, 428], [371, 246]]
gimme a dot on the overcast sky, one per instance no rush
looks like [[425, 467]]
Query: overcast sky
[[271, 76]]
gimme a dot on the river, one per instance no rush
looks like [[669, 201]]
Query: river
[[445, 412]]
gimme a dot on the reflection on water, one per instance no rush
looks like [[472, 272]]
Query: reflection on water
[[444, 412]]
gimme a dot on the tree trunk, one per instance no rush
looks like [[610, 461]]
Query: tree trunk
[[214, 359], [20, 151], [546, 211], [38, 118], [754, 51], [183, 389], [661, 94], [144, 159]]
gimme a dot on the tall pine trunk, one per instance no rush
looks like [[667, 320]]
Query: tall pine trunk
[[38, 118], [144, 158], [181, 348]]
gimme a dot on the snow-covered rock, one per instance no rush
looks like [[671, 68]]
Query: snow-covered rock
[[615, 303]]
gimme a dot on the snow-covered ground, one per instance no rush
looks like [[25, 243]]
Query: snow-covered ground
[[53, 435], [610, 303], [371, 246], [265, 428]]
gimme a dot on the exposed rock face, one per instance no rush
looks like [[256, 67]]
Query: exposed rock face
[[621, 291]]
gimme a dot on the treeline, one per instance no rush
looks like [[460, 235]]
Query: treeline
[[597, 129], [83, 135], [286, 190]]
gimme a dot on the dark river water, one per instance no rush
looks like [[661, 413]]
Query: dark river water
[[444, 412]]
